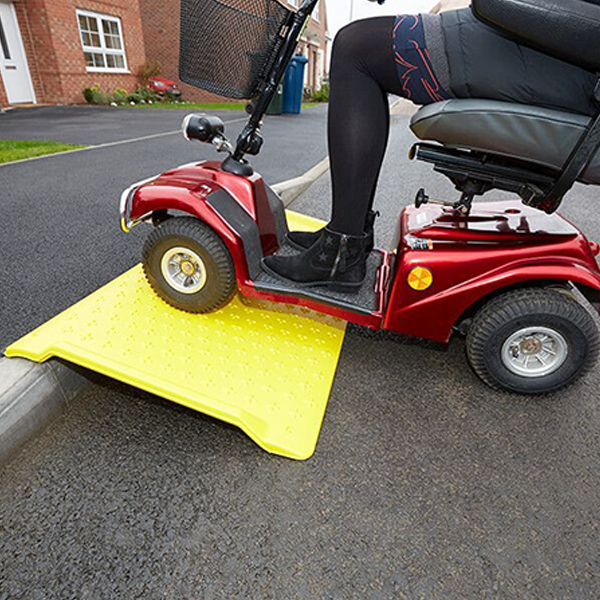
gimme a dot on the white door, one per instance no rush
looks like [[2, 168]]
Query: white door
[[13, 63]]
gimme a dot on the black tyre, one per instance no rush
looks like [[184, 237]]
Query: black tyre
[[189, 266], [532, 341]]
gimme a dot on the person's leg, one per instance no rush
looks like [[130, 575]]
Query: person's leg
[[363, 71]]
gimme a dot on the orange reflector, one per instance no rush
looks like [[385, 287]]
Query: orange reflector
[[420, 279]]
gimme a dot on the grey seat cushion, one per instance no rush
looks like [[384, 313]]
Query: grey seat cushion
[[540, 135]]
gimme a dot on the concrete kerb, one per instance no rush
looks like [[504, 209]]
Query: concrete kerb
[[289, 190], [31, 395]]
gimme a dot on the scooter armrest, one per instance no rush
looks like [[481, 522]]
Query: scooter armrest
[[566, 29]]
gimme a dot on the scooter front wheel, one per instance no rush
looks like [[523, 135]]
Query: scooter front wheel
[[187, 264], [532, 341]]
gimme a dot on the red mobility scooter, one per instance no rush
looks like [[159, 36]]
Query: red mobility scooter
[[513, 277]]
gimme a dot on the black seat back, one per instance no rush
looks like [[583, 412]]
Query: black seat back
[[566, 29]]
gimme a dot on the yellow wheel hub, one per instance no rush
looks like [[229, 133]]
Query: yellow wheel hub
[[188, 268]]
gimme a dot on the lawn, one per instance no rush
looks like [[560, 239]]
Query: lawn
[[208, 105], [18, 149]]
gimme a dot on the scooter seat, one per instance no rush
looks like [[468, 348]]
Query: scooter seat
[[532, 134]]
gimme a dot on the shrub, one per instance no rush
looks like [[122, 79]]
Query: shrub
[[134, 97], [147, 94], [94, 95], [88, 94], [321, 95], [141, 95]]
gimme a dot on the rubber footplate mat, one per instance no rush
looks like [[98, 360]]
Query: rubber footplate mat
[[268, 372], [363, 301]]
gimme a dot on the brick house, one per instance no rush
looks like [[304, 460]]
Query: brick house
[[160, 19], [314, 46], [50, 50]]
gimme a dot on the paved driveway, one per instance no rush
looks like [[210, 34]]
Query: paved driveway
[[425, 484]]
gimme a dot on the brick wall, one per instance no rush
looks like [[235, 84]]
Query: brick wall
[[160, 21], [3, 98], [52, 43], [314, 40], [50, 34]]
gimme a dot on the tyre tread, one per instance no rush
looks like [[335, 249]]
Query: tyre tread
[[518, 303], [198, 231]]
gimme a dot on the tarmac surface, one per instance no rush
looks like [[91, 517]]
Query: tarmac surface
[[425, 483]]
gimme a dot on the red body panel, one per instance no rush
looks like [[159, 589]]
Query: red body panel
[[498, 245]]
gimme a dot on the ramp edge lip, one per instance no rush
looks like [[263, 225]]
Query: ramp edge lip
[[73, 356], [31, 396]]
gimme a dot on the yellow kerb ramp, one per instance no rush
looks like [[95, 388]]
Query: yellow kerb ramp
[[268, 372]]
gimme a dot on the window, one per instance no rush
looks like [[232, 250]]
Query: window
[[4, 43], [317, 12], [102, 41]]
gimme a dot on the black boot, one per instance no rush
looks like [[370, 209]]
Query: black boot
[[336, 260], [302, 240]]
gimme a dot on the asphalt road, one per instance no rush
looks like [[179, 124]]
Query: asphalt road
[[425, 484]]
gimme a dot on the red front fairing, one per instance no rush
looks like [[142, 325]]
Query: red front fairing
[[499, 245], [186, 189]]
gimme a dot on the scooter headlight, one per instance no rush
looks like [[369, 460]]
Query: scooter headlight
[[202, 128]]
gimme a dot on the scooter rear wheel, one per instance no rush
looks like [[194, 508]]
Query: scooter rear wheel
[[187, 264], [532, 341]]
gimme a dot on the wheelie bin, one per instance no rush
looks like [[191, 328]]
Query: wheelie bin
[[294, 85]]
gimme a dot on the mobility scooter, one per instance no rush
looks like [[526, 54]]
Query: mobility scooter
[[514, 277]]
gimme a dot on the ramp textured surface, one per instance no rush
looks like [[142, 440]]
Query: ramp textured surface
[[269, 373]]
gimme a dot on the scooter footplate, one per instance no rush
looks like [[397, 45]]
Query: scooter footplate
[[364, 301], [269, 373]]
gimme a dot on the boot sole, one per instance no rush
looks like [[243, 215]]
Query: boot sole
[[334, 286]]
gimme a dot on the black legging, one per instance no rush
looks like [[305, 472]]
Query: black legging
[[363, 72]]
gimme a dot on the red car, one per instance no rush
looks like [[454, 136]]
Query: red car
[[162, 86]]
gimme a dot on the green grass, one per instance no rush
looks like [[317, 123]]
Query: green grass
[[18, 149], [207, 105]]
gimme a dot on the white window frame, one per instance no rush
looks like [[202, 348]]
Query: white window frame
[[103, 49]]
